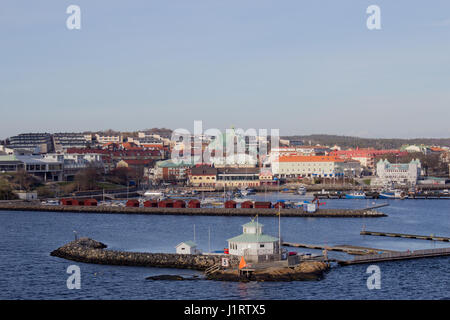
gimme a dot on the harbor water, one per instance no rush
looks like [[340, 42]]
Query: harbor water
[[27, 271]]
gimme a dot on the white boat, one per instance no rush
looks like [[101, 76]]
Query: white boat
[[240, 200], [355, 195], [50, 203], [153, 194], [393, 194], [301, 191], [211, 201]]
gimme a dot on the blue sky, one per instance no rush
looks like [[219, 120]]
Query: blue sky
[[301, 66]]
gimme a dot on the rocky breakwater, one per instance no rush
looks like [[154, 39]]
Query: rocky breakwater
[[307, 270], [90, 251]]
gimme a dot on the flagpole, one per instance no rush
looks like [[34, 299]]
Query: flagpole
[[257, 234], [279, 229]]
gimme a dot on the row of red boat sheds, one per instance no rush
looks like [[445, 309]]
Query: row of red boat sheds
[[194, 203]]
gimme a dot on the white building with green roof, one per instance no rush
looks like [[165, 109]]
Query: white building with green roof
[[253, 242]]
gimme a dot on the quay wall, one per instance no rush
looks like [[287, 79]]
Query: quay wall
[[338, 213], [90, 251]]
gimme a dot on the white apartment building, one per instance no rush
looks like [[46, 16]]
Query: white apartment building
[[401, 173], [314, 166], [108, 139]]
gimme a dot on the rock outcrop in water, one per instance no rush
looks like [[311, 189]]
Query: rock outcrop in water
[[308, 270]]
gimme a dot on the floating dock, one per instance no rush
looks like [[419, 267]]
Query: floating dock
[[404, 235]]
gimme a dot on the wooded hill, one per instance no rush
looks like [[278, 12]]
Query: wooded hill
[[346, 142]]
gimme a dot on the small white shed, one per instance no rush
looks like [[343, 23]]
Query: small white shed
[[187, 247], [28, 196]]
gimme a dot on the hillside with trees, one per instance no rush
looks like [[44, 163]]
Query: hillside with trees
[[346, 142]]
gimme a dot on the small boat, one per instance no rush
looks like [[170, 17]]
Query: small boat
[[355, 195], [211, 201], [240, 200], [394, 194], [50, 203], [153, 194], [301, 191], [246, 192]]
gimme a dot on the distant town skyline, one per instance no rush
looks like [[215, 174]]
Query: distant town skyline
[[304, 68]]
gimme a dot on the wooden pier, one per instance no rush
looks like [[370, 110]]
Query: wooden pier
[[393, 256], [354, 250], [404, 235], [381, 205]]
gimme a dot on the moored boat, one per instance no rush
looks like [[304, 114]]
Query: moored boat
[[301, 191], [394, 194], [355, 195]]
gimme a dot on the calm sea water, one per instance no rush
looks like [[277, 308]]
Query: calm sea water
[[27, 271]]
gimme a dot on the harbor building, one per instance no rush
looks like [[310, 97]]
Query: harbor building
[[366, 157], [238, 177], [170, 171], [315, 166], [400, 173], [75, 162], [203, 176], [239, 160], [45, 169], [253, 243], [187, 247]]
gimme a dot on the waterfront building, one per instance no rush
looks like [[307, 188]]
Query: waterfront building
[[240, 160], [45, 169], [253, 242], [315, 166], [34, 142], [266, 176], [187, 247], [4, 150], [237, 177], [26, 195], [400, 173], [75, 162], [366, 157], [9, 163], [112, 156], [170, 171], [203, 176]]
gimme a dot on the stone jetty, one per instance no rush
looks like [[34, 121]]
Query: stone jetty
[[90, 251], [325, 213]]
